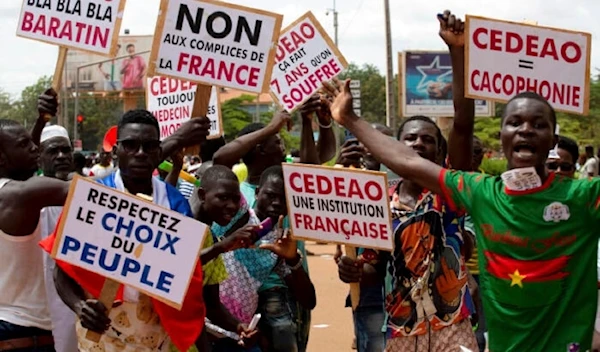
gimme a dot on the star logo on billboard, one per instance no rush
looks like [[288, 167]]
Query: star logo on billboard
[[433, 72]]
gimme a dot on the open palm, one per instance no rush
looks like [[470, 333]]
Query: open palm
[[341, 107]]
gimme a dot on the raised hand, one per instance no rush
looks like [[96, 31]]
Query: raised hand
[[47, 104], [351, 154], [192, 132], [452, 29], [311, 106], [242, 238], [285, 246], [281, 119], [341, 107]]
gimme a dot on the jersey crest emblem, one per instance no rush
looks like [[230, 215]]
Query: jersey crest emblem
[[556, 212]]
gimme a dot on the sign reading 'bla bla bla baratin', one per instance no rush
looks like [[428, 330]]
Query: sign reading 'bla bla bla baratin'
[[88, 25], [507, 58]]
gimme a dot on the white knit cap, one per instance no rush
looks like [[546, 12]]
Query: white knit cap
[[54, 131]]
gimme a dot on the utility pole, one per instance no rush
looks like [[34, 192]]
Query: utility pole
[[390, 118], [335, 22]]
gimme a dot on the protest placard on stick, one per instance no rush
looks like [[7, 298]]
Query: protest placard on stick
[[215, 43], [87, 25], [337, 205], [171, 101], [505, 58], [129, 240], [306, 57]]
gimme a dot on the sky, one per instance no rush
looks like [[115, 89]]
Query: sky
[[361, 28]]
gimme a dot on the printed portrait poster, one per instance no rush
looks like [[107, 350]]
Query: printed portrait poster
[[129, 240], [171, 101], [339, 205], [90, 25], [215, 43], [428, 85]]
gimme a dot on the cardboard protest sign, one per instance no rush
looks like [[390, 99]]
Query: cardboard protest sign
[[505, 58], [215, 43], [89, 25], [129, 240], [338, 205], [306, 56], [171, 101]]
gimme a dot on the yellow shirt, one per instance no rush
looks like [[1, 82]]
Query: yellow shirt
[[214, 272]]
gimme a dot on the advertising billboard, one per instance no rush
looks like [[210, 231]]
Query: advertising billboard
[[427, 85], [126, 72]]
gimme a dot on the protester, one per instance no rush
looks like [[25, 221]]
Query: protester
[[539, 291], [590, 168], [104, 167], [25, 321], [283, 326], [56, 160], [562, 159], [138, 152], [369, 315]]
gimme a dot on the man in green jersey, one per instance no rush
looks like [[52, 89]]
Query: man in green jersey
[[535, 230]]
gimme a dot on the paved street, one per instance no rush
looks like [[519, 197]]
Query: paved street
[[332, 329]]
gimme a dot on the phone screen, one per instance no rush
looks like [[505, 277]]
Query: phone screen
[[348, 136]]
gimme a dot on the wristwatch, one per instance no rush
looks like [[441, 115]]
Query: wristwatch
[[299, 264]]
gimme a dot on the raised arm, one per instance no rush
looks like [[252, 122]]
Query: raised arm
[[460, 141], [22, 201], [308, 148], [394, 154], [326, 145], [189, 134], [232, 152]]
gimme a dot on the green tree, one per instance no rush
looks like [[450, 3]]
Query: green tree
[[25, 108], [234, 117], [372, 90], [6, 106]]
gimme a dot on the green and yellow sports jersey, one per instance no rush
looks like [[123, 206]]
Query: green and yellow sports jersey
[[537, 258]]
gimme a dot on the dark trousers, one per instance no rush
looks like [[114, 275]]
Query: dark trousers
[[9, 331]]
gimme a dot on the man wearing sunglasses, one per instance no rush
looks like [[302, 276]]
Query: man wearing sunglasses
[[139, 151], [562, 159]]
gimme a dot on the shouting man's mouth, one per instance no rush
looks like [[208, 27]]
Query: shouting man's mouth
[[524, 151]]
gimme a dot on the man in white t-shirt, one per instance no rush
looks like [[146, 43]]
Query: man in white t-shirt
[[104, 167], [590, 168], [56, 161]]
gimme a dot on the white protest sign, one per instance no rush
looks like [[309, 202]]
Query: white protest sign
[[129, 240], [171, 101], [305, 57], [507, 58], [215, 43], [89, 25], [337, 205]]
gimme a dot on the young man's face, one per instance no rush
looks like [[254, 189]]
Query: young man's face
[[56, 157], [138, 150], [527, 133], [273, 150], [131, 50], [221, 200], [19, 154], [421, 136], [270, 199], [564, 165]]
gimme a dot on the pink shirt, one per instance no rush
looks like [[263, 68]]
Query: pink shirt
[[134, 72]]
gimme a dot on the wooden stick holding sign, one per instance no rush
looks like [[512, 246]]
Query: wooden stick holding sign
[[109, 292], [107, 298], [57, 78], [201, 102], [355, 286]]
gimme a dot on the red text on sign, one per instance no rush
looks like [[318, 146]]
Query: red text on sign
[[293, 40], [509, 85], [243, 75], [347, 227], [54, 27], [345, 187], [164, 85], [512, 42], [308, 85]]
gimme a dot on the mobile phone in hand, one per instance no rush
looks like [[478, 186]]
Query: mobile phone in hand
[[265, 227], [349, 136]]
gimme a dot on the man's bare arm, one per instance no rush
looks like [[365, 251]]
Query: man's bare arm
[[22, 201], [401, 159]]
